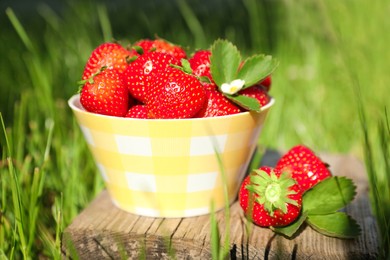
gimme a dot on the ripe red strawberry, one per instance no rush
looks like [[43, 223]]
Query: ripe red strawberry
[[175, 94], [110, 55], [140, 72], [270, 198], [217, 105], [200, 65], [304, 166], [161, 45], [266, 83], [137, 111], [257, 92], [104, 93]]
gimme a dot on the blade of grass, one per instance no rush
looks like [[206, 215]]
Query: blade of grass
[[215, 242], [104, 23], [20, 30], [193, 23], [59, 226], [37, 186], [255, 23], [226, 247], [384, 192], [16, 197], [19, 128], [34, 207], [378, 178]]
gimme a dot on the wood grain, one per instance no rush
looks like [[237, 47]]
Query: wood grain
[[103, 231]]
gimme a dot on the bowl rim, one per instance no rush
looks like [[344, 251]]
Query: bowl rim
[[75, 104]]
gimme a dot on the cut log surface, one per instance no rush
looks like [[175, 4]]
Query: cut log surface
[[102, 231]]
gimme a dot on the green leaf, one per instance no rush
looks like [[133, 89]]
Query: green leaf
[[337, 224], [248, 103], [329, 196], [186, 66], [291, 229], [224, 61], [256, 68]]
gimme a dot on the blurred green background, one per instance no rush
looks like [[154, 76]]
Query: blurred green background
[[326, 49], [334, 63]]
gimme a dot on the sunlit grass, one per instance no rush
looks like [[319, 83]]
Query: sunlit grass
[[376, 155], [325, 49]]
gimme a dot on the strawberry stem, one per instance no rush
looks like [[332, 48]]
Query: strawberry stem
[[138, 49], [273, 191], [81, 83]]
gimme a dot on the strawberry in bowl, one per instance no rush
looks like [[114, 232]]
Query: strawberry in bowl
[[159, 122]]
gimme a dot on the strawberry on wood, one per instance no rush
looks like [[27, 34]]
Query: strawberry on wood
[[270, 198], [304, 166]]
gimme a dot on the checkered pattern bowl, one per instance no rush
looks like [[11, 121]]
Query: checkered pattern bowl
[[169, 167]]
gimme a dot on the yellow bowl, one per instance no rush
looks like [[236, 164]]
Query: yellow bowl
[[169, 167]]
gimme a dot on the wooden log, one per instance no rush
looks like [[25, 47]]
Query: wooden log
[[103, 231]]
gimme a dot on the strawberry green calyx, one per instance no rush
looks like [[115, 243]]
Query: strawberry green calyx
[[185, 66], [130, 59], [81, 83], [273, 191], [138, 49]]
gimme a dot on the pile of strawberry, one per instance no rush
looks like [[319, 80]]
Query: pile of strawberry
[[156, 79], [299, 189]]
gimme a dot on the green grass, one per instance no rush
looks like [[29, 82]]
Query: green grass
[[330, 91]]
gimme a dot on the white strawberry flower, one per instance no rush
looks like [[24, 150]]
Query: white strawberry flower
[[232, 87]]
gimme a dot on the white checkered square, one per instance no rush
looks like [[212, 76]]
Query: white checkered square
[[196, 212], [141, 182], [206, 145], [147, 212], [134, 145], [201, 182]]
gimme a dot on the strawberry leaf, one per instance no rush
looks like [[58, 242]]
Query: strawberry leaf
[[337, 224], [246, 102], [256, 68], [329, 196], [224, 61], [291, 229]]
